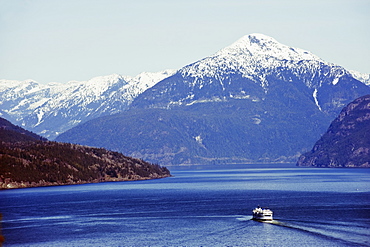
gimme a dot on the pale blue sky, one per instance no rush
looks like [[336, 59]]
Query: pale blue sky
[[63, 40]]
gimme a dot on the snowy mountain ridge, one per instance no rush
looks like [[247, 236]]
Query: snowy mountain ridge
[[256, 56], [254, 61], [55, 107], [365, 78]]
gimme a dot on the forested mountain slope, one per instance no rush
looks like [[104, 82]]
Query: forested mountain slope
[[26, 161]]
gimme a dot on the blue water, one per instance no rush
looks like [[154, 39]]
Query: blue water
[[212, 207]]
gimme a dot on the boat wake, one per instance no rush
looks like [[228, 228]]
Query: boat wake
[[338, 232]]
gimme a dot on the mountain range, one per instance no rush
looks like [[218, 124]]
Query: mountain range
[[256, 100], [51, 109]]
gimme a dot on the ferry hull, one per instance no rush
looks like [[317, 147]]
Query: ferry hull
[[262, 218]]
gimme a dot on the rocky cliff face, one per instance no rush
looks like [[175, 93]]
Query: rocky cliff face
[[347, 141]]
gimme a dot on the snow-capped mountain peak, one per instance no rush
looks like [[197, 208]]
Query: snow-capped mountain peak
[[247, 56], [252, 67], [265, 46]]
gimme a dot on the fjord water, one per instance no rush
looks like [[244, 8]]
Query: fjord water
[[197, 207]]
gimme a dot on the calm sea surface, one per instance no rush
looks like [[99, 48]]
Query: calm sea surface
[[209, 207]]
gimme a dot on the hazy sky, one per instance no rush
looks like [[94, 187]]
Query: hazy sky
[[63, 40]]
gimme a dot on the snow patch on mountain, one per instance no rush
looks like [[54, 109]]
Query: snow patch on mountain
[[314, 95], [199, 140]]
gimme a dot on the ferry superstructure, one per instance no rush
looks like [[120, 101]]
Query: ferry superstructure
[[262, 214]]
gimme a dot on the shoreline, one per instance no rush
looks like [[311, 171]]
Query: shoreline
[[42, 183]]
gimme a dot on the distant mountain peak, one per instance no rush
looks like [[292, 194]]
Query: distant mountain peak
[[255, 38], [260, 45], [247, 56], [252, 67]]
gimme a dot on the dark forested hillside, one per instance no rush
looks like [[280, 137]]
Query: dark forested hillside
[[28, 162], [347, 141], [12, 129]]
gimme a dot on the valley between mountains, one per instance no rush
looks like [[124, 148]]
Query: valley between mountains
[[256, 100]]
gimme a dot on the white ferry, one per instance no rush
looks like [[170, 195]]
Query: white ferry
[[262, 214]]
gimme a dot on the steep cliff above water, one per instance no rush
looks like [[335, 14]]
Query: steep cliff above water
[[347, 141]]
